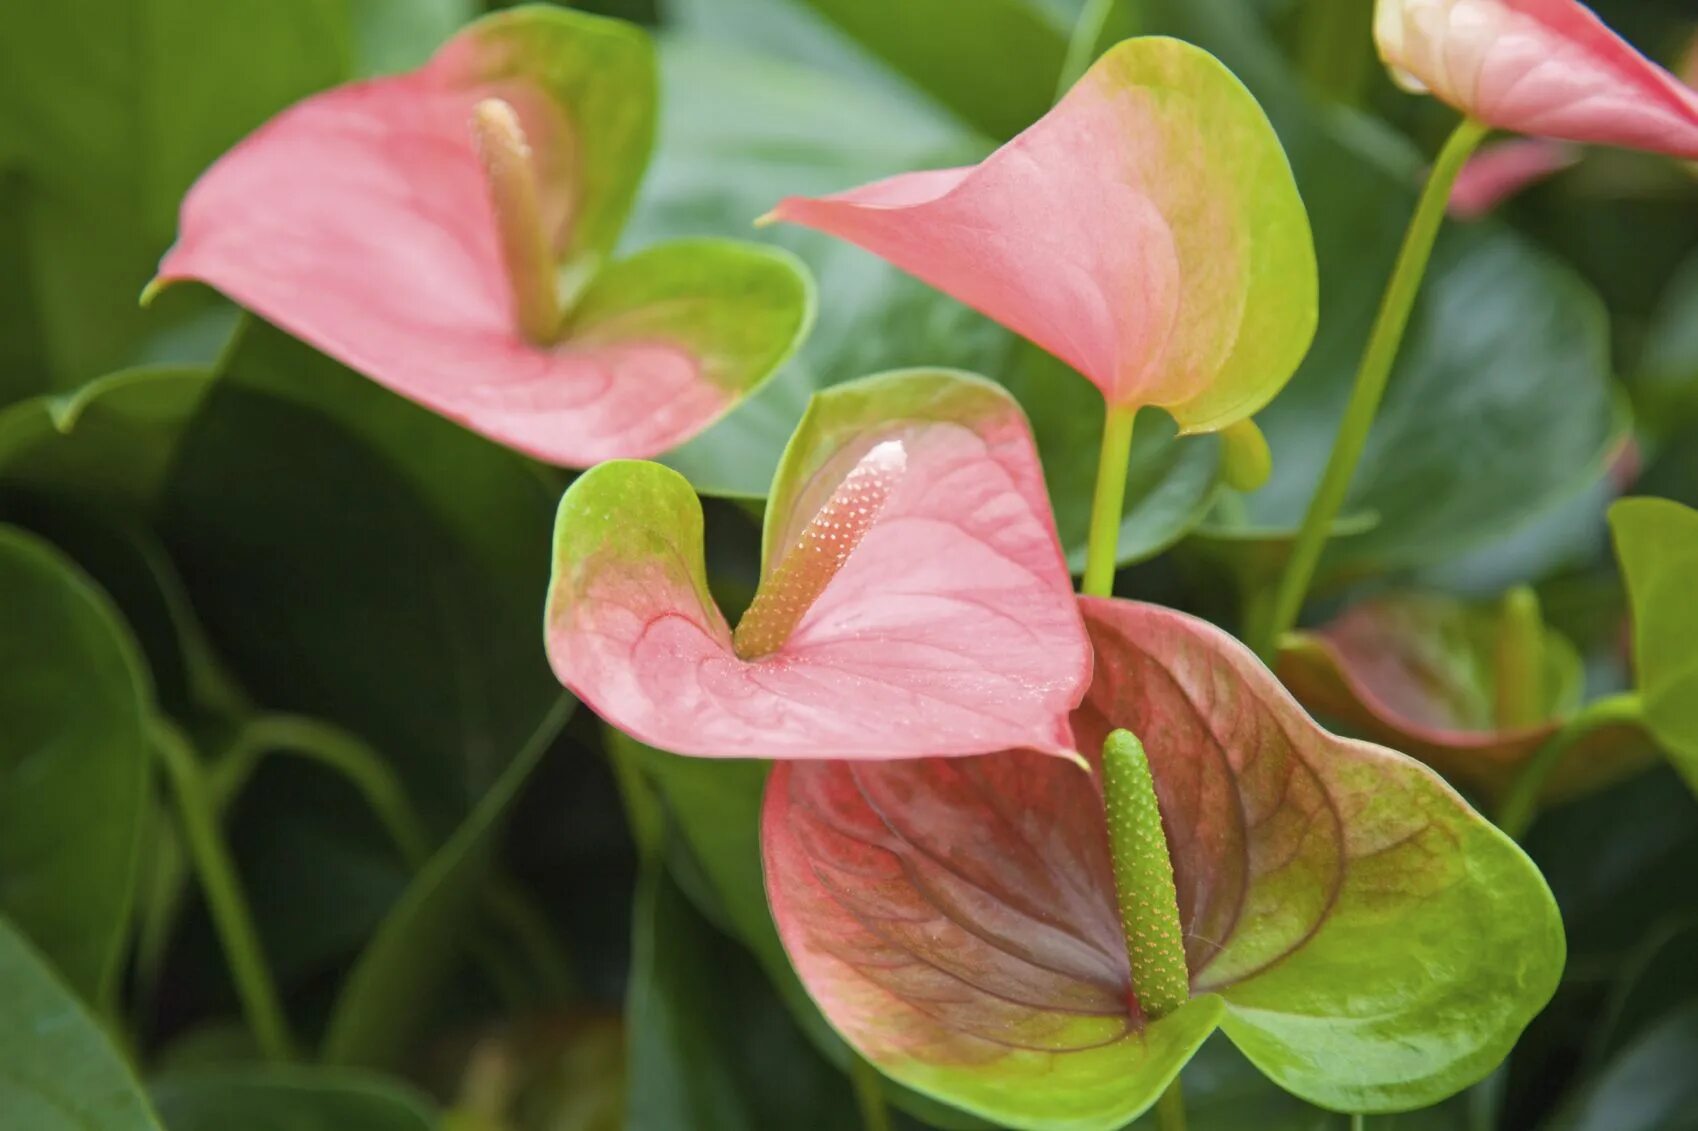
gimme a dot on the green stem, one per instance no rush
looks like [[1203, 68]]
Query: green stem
[[869, 1095], [1170, 1109], [1521, 805], [1336, 47], [1358, 1122], [224, 899], [1108, 504], [1370, 385]]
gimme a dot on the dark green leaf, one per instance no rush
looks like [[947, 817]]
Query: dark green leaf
[[382, 1005], [358, 559], [73, 763], [710, 1048], [288, 1099], [112, 111], [997, 70], [1649, 1087], [60, 1073]]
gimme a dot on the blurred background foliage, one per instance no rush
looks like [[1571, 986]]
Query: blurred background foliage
[[480, 905]]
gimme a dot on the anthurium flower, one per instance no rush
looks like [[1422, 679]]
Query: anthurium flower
[[1147, 231], [1439, 679], [1365, 938], [914, 598], [446, 232], [1503, 169], [1549, 68]]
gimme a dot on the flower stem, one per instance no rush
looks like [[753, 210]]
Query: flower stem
[[869, 1095], [224, 898], [1143, 879], [1370, 387], [1170, 1109], [1358, 1122], [1107, 505], [1521, 805]]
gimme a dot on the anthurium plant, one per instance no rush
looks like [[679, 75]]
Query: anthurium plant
[[1061, 565]]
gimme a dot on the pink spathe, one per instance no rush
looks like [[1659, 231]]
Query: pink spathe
[[361, 221], [1547, 68], [950, 628], [1107, 233]]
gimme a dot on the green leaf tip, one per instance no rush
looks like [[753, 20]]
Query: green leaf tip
[[151, 291], [1519, 661], [1143, 878]]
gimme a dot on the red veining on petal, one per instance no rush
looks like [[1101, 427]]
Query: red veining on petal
[[819, 552]]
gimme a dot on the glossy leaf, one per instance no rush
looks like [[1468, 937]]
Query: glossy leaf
[[929, 43], [914, 594], [1349, 921], [378, 242], [288, 1099], [1549, 68], [1657, 541], [111, 114], [108, 445], [1198, 302], [1416, 672], [61, 1072], [74, 777]]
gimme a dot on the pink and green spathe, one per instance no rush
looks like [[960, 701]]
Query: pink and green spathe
[[448, 233], [1147, 231]]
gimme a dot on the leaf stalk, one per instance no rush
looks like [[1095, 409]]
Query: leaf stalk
[[1369, 390], [1107, 505]]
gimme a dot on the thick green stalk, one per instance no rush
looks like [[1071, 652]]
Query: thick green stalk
[[1358, 1122], [1370, 387], [1519, 808], [869, 1095], [1518, 661], [1108, 504], [224, 899], [1170, 1109], [1143, 878]]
